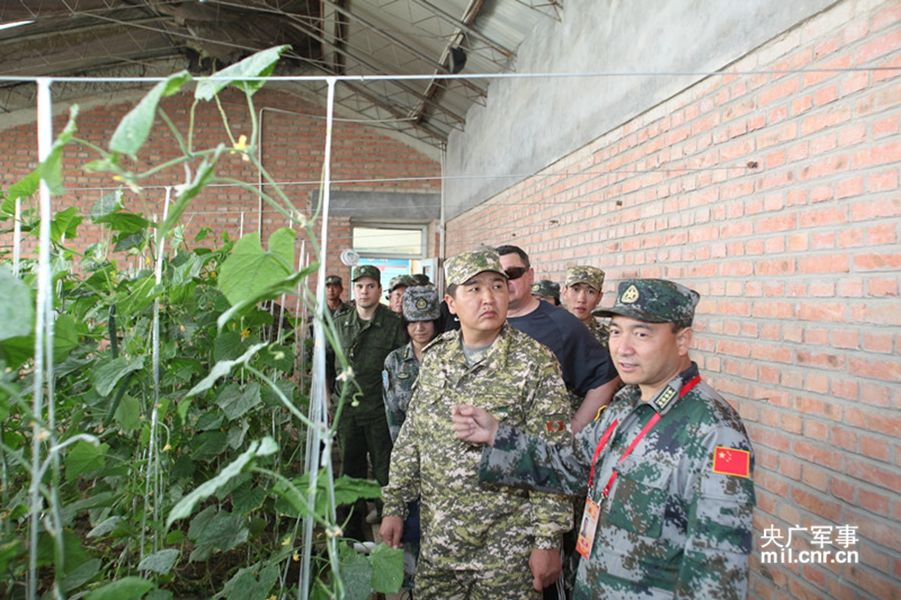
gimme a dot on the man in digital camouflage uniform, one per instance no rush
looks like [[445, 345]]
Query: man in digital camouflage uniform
[[367, 331], [674, 515], [479, 541], [582, 292]]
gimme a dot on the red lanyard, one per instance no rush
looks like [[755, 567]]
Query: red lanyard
[[644, 430]]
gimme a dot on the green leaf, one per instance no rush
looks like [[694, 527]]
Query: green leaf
[[51, 169], [81, 574], [356, 573], [123, 222], [66, 332], [128, 414], [104, 527], [347, 491], [250, 269], [107, 375], [83, 458], [65, 223], [107, 204], [220, 533], [205, 173], [184, 507], [208, 445], [159, 562], [387, 569], [244, 585], [286, 285], [16, 306], [228, 346], [127, 587], [222, 368], [248, 498], [134, 128], [25, 187], [235, 403], [16, 350], [260, 64]]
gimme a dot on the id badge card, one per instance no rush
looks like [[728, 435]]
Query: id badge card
[[588, 527]]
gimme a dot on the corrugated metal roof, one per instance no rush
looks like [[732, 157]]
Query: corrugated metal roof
[[110, 38]]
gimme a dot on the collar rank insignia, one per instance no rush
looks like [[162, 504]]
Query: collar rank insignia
[[665, 397], [555, 426], [630, 295]]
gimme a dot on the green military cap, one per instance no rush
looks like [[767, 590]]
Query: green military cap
[[461, 268], [421, 303], [585, 274], [366, 271], [333, 280], [654, 301], [546, 287], [400, 281], [421, 279]]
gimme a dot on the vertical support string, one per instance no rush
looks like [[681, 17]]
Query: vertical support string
[[318, 388], [43, 333]]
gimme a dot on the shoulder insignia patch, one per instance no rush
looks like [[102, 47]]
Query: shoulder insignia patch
[[555, 425], [664, 398], [731, 461], [630, 295]]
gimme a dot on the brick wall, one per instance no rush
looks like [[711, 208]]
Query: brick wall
[[776, 196], [293, 147]]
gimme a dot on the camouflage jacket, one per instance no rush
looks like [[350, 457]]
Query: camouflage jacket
[[367, 344], [466, 524], [600, 331], [401, 369], [671, 527]]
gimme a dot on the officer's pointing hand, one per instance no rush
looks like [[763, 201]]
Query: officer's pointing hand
[[473, 425]]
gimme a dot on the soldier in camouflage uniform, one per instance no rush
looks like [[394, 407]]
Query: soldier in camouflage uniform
[[420, 319], [581, 294], [667, 467], [367, 331], [479, 541], [402, 365], [547, 290]]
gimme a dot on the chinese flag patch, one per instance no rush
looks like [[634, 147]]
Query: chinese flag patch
[[731, 461]]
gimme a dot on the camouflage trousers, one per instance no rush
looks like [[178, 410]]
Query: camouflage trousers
[[511, 582]]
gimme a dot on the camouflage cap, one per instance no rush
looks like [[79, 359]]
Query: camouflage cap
[[546, 287], [421, 303], [654, 301], [400, 281], [421, 279], [461, 268], [333, 280], [585, 274], [366, 271]]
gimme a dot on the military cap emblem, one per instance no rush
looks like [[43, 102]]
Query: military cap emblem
[[630, 295], [421, 303], [654, 301]]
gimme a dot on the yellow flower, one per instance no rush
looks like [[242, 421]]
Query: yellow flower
[[241, 144], [245, 333]]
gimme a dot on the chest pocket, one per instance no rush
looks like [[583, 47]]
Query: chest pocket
[[638, 503]]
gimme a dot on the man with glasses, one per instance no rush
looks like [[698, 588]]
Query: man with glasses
[[587, 369]]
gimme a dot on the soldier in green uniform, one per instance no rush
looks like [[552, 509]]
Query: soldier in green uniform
[[368, 332], [582, 292], [479, 541], [333, 289], [666, 468], [420, 319]]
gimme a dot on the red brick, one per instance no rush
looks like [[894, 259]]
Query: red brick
[[882, 182], [878, 342], [875, 447], [882, 286]]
